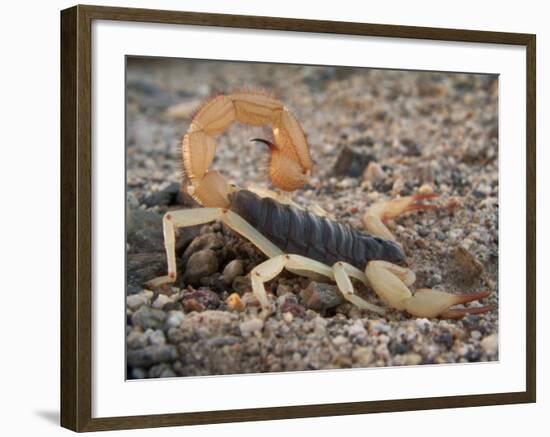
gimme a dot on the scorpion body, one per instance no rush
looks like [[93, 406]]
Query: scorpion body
[[292, 238], [301, 232]]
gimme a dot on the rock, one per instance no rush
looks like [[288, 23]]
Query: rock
[[233, 269], [339, 340], [170, 196], [411, 147], [160, 301], [202, 297], [424, 325], [351, 162], [433, 280], [468, 266], [364, 356], [290, 306], [162, 370], [378, 327], [137, 339], [472, 355], [288, 317], [250, 299], [234, 302], [165, 197], [138, 219], [142, 267], [374, 172], [320, 325], [412, 359], [445, 338], [175, 335], [357, 329], [227, 340], [151, 355], [398, 348], [249, 326], [134, 301], [190, 305], [241, 285], [320, 297], [172, 306], [476, 335], [157, 337], [201, 264], [175, 318], [490, 344], [286, 298], [209, 240], [147, 317], [425, 189], [473, 151], [283, 289]]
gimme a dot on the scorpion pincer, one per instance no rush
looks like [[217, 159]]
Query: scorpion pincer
[[304, 242]]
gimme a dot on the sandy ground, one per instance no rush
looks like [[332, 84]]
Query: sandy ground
[[416, 128]]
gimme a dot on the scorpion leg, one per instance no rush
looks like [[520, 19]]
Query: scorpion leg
[[340, 273], [387, 283], [197, 216], [379, 213]]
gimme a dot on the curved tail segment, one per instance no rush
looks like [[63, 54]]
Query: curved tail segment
[[290, 162]]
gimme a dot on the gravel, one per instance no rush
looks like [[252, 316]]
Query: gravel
[[374, 135]]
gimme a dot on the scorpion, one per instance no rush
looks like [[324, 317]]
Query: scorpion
[[305, 242]]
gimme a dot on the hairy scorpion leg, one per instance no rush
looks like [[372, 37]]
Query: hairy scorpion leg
[[392, 282], [425, 302], [340, 273], [379, 213], [197, 216]]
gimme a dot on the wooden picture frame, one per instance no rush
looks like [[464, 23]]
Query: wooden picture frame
[[76, 217]]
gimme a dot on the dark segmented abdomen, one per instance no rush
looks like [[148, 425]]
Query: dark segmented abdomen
[[300, 232]]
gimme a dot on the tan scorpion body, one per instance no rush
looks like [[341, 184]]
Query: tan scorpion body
[[290, 166]]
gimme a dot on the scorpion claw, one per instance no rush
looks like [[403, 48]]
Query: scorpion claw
[[433, 303], [391, 283], [458, 313], [415, 206]]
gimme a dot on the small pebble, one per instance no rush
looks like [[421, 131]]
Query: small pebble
[[320, 297], [250, 326], [425, 189], [374, 172], [134, 301], [160, 301], [233, 269], [201, 264], [147, 317], [357, 329], [470, 268], [476, 335], [339, 340], [157, 337], [288, 317], [175, 318], [490, 344], [235, 303]]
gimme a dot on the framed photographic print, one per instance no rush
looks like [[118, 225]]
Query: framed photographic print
[[268, 218]]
